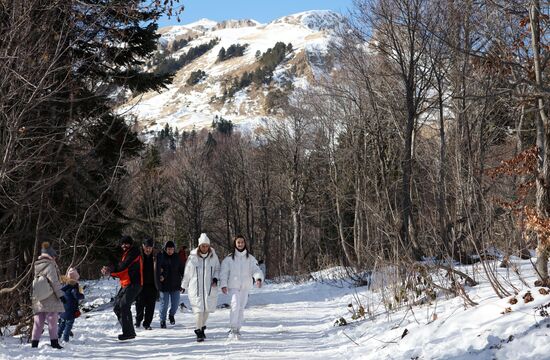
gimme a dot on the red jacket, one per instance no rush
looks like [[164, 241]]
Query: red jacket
[[130, 269], [183, 256]]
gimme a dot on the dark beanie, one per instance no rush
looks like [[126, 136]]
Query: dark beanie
[[126, 239], [47, 249], [148, 242], [170, 244]]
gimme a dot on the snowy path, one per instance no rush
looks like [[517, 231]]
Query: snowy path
[[282, 322], [295, 321]]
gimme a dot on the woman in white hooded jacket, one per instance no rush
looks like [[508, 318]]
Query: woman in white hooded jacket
[[238, 271], [201, 282]]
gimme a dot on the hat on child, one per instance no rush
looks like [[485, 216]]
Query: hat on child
[[203, 239], [73, 274]]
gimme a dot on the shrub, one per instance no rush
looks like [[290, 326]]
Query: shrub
[[195, 77], [234, 50]]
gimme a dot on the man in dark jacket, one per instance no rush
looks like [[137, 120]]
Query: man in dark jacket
[[169, 275], [128, 270], [145, 302]]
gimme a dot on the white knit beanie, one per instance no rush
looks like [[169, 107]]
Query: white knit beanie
[[203, 239]]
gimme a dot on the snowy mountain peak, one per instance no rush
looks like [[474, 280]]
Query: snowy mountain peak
[[175, 32], [230, 69], [235, 24], [316, 20], [203, 23]]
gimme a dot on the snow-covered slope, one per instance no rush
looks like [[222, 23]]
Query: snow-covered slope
[[184, 106], [297, 321]]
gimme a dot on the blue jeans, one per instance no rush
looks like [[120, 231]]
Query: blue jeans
[[174, 298], [64, 328]]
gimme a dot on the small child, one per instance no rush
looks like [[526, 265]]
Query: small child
[[72, 295]]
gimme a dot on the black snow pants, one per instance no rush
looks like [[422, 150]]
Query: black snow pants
[[122, 308], [145, 303]]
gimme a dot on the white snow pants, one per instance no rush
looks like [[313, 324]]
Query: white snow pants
[[200, 319], [239, 298]]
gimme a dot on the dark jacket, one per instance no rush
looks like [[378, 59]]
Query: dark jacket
[[171, 269], [128, 270], [149, 269], [72, 296]]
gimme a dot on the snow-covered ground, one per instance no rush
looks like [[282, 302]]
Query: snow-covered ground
[[296, 321]]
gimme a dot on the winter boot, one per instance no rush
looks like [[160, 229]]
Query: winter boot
[[172, 320], [163, 324], [138, 324], [202, 329], [34, 343], [200, 334], [55, 344], [123, 337]]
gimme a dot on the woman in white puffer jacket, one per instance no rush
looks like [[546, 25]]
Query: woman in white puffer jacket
[[238, 270], [201, 282]]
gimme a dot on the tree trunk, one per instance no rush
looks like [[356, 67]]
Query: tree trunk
[[407, 241], [441, 199], [296, 231], [342, 234], [357, 224], [543, 137]]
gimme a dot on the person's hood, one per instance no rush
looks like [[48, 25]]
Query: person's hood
[[195, 252], [43, 262]]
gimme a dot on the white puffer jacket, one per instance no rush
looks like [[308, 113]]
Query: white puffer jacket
[[197, 281], [237, 271]]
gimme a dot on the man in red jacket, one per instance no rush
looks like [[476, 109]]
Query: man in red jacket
[[129, 272]]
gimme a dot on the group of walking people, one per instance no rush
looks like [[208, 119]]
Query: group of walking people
[[144, 277]]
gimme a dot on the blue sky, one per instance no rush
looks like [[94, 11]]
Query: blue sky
[[261, 10]]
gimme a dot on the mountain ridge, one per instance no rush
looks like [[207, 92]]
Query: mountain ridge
[[206, 86]]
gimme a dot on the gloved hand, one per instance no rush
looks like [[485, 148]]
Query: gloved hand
[[63, 300]]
